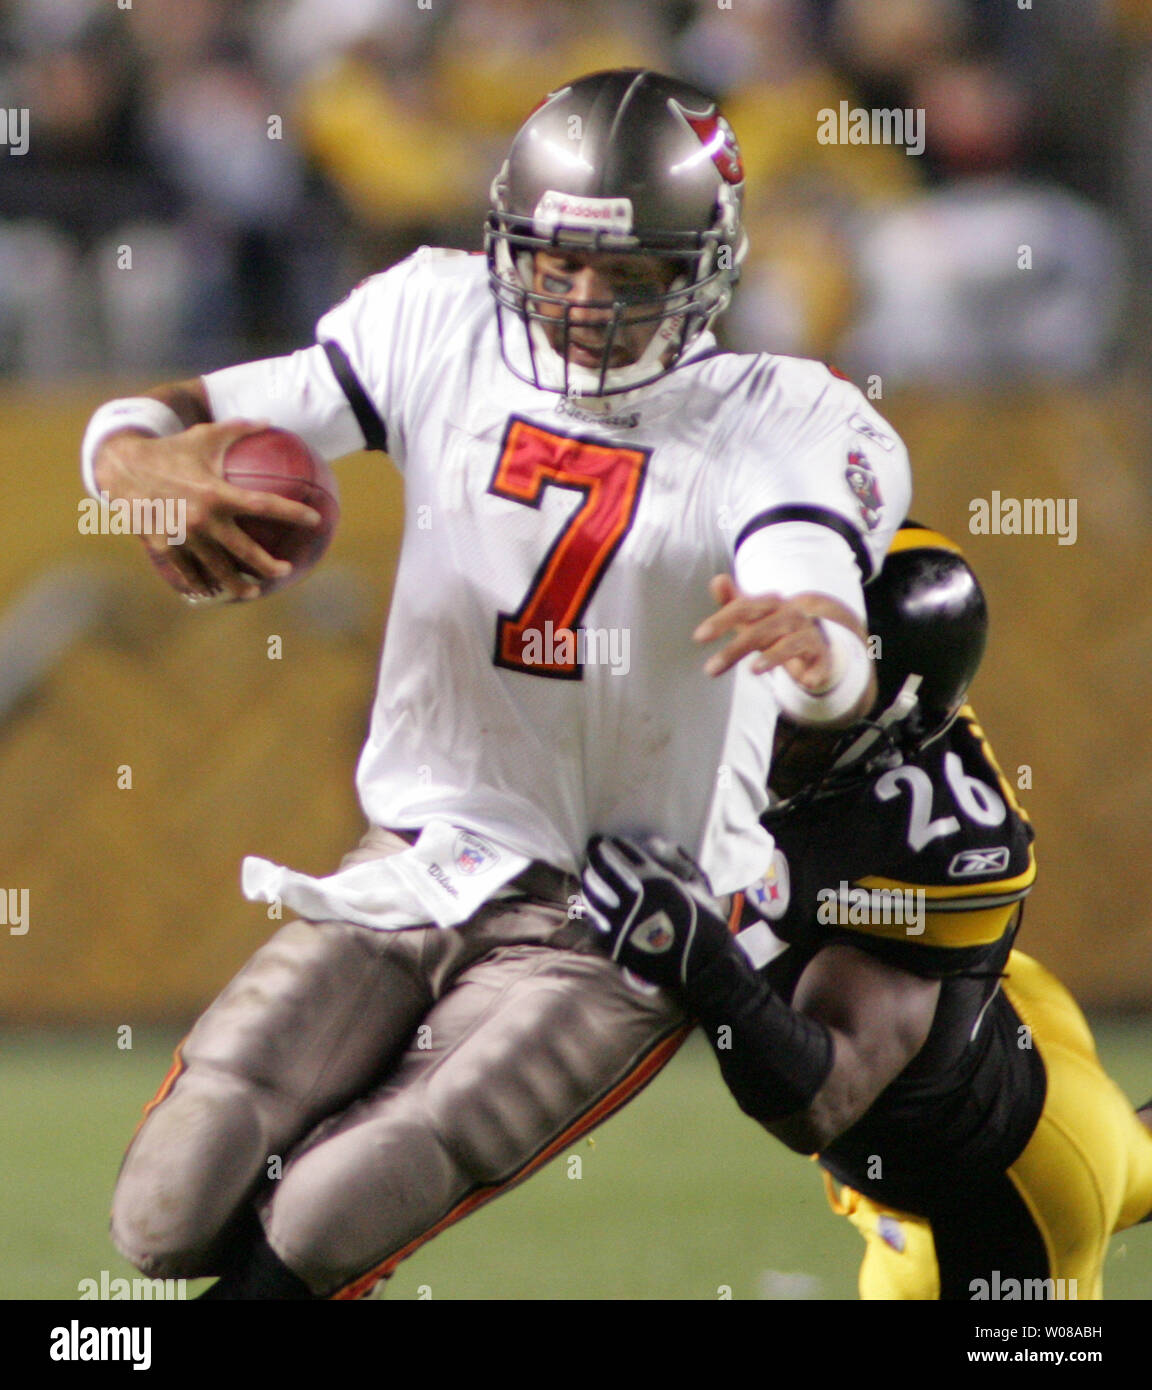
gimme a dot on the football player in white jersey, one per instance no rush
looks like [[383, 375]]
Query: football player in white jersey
[[624, 552]]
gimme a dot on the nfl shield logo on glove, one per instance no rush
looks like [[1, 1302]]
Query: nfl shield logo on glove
[[654, 935]]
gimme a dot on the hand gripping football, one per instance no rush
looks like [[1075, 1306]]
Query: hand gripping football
[[277, 461]]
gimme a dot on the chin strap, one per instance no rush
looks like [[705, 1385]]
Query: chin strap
[[901, 707]]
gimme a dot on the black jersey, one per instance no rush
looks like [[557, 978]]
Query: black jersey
[[924, 866]]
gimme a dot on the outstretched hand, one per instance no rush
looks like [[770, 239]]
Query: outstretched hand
[[782, 631]]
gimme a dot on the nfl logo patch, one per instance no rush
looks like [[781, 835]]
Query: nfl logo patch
[[473, 853], [891, 1232], [654, 935]]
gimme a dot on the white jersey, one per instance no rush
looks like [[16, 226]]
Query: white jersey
[[539, 682]]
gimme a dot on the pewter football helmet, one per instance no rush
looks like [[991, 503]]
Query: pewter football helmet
[[627, 162]]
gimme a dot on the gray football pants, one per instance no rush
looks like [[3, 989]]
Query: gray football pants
[[360, 1090]]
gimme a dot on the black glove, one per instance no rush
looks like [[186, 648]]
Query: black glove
[[655, 909], [659, 919]]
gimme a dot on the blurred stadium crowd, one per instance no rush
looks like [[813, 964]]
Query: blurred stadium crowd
[[204, 177]]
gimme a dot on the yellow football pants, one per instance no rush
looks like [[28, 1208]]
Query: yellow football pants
[[1085, 1173]]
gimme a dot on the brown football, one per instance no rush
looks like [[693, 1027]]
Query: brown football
[[277, 461]]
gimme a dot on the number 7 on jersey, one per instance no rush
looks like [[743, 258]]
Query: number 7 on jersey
[[610, 477]]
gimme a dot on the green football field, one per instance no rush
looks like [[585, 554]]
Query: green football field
[[678, 1197]]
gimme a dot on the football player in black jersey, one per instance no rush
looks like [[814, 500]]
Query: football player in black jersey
[[874, 1010]]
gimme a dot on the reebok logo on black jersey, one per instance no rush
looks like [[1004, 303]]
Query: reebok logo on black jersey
[[975, 863]]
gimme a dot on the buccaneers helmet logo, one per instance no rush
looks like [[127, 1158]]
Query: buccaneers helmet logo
[[718, 138]]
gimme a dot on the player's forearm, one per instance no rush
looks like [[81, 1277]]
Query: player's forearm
[[773, 1059], [845, 1097], [650, 904], [795, 603], [878, 1016], [808, 1073], [810, 647]]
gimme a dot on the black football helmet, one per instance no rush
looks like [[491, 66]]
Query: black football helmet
[[628, 162], [928, 627]]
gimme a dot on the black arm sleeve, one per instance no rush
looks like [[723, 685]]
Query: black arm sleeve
[[773, 1059]]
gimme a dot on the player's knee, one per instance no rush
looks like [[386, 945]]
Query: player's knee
[[346, 1205], [190, 1169]]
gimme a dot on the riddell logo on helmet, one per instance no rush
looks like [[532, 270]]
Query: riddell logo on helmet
[[583, 214]]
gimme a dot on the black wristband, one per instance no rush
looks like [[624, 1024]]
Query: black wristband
[[773, 1058]]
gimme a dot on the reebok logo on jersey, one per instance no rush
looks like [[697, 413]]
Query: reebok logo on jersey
[[975, 863], [860, 425]]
